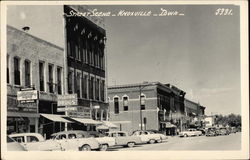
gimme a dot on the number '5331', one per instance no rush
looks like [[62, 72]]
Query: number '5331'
[[224, 12]]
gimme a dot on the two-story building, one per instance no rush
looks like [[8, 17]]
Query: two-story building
[[146, 106], [36, 64]]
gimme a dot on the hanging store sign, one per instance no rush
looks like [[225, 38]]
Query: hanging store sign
[[27, 95], [67, 100]]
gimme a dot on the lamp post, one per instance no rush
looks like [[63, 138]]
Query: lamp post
[[140, 89]]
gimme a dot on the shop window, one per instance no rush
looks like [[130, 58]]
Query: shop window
[[50, 83], [41, 75], [27, 72], [116, 105], [17, 75], [91, 88], [59, 80], [125, 103]]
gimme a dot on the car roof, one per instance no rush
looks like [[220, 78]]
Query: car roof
[[116, 132], [24, 134]]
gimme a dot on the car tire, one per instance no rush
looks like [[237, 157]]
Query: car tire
[[104, 147], [159, 141], [151, 141], [85, 148], [131, 144]]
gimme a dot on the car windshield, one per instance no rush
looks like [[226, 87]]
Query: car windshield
[[52, 137]]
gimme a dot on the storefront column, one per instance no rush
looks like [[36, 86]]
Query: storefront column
[[36, 125]]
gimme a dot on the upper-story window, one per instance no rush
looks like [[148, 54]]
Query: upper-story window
[[116, 105], [41, 75], [84, 86], [97, 90], [51, 89], [125, 103], [70, 82], [143, 100], [78, 87], [59, 80], [27, 72], [17, 80], [102, 90], [8, 69], [91, 88]]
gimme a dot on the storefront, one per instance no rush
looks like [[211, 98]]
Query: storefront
[[21, 118]]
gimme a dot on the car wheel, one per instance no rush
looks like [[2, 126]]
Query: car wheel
[[85, 148], [131, 144], [159, 140], [103, 147], [151, 141]]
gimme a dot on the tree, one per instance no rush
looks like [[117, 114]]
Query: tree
[[231, 120]]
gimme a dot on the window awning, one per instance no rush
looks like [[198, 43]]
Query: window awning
[[19, 114], [109, 124], [56, 118], [86, 121]]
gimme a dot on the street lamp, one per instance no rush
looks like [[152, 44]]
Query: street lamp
[[140, 89]]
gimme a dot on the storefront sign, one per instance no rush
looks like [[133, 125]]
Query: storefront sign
[[67, 100], [81, 112], [63, 109], [27, 95]]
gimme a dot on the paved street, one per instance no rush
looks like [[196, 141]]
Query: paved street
[[229, 142]]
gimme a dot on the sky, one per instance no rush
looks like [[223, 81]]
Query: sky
[[198, 52]]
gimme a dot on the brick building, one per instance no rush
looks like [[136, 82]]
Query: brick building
[[161, 106], [195, 113], [31, 63], [86, 66]]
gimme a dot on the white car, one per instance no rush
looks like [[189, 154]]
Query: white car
[[35, 142], [148, 137], [75, 140], [190, 132], [105, 141], [13, 145]]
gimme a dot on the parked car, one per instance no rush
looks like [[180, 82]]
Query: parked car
[[148, 137], [105, 142], [212, 132], [190, 132], [163, 137], [123, 139], [76, 140], [12, 145], [224, 131], [35, 142], [203, 130]]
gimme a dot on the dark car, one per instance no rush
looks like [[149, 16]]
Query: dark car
[[212, 132], [224, 131]]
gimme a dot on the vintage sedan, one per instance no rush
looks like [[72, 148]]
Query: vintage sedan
[[76, 140], [35, 142], [123, 139], [105, 141], [163, 137], [190, 132], [148, 137]]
